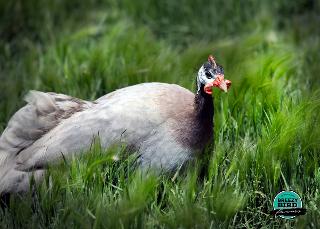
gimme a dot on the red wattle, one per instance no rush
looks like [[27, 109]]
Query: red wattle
[[208, 88], [228, 82]]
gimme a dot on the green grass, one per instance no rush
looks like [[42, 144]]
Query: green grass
[[267, 135]]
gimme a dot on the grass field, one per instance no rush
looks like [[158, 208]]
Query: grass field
[[267, 128]]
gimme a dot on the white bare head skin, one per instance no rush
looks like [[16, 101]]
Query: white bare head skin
[[202, 79], [211, 75]]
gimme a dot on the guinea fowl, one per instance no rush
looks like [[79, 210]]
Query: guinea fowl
[[165, 124]]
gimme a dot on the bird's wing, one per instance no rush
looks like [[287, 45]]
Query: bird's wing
[[42, 113]]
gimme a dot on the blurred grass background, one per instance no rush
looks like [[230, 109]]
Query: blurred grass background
[[267, 135]]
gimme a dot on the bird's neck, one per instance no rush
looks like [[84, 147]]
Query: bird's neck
[[195, 128], [203, 118], [203, 105]]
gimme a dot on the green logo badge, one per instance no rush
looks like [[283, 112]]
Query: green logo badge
[[287, 205]]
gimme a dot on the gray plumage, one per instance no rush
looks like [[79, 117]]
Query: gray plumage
[[165, 124], [53, 125]]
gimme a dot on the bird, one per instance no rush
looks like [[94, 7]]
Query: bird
[[165, 124]]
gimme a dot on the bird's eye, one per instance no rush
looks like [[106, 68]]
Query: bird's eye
[[208, 74]]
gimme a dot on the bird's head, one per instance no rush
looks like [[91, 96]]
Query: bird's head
[[211, 75]]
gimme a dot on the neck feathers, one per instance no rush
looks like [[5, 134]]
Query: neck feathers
[[203, 119], [203, 105]]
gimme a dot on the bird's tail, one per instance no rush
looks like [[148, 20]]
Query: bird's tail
[[14, 181]]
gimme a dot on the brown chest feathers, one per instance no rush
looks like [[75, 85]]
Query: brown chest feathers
[[193, 121]]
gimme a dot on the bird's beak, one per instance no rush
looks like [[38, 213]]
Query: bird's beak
[[223, 86], [219, 82]]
